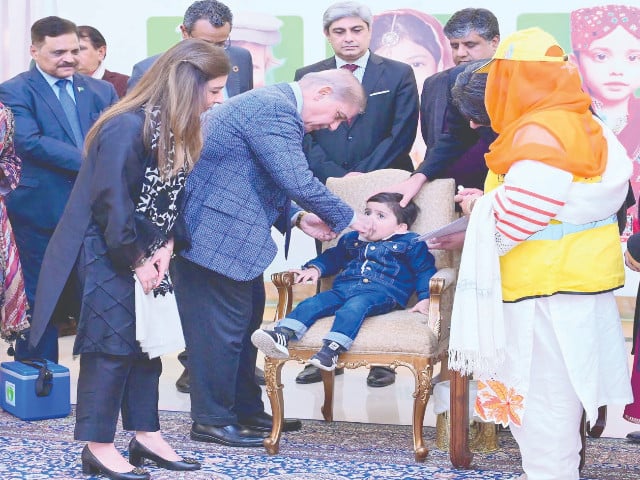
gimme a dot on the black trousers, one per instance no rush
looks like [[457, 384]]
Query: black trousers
[[110, 384], [217, 315]]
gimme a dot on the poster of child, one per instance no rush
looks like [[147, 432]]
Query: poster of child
[[258, 33], [415, 38], [606, 48]]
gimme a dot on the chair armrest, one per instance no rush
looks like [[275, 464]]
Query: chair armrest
[[441, 281], [448, 274], [283, 281]]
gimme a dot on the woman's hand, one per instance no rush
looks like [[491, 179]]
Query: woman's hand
[[161, 259], [305, 275], [147, 275], [454, 241], [153, 270], [466, 198]]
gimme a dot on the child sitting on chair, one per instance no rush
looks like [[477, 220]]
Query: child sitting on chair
[[375, 275]]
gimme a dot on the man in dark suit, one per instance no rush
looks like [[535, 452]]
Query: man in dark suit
[[93, 51], [251, 166], [380, 138], [211, 21], [454, 149], [54, 108]]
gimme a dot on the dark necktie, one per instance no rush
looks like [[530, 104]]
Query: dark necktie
[[69, 107], [352, 67]]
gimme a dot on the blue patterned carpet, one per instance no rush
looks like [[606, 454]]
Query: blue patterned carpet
[[320, 451]]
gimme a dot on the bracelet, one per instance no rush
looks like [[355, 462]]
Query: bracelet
[[299, 218]]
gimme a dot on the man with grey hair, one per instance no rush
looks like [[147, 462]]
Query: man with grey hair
[[251, 166], [380, 138], [454, 149], [211, 21]]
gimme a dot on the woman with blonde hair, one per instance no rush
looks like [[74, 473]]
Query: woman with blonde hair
[[119, 224]]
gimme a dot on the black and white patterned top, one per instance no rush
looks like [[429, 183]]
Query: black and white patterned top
[[159, 198]]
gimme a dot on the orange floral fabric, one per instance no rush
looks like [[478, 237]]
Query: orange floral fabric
[[498, 403], [548, 94]]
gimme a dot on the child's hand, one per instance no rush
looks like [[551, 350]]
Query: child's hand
[[310, 274], [421, 307]]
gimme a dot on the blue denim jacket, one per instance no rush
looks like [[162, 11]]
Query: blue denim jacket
[[398, 263]]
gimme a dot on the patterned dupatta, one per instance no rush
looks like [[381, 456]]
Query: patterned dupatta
[[13, 299]]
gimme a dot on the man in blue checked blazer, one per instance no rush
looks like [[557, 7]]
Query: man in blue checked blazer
[[49, 144], [382, 137], [251, 166]]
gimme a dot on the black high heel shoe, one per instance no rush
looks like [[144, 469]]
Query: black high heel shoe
[[91, 465], [138, 452]]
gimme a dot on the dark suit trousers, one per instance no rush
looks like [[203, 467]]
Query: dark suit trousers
[[110, 384], [218, 319], [259, 299], [32, 244]]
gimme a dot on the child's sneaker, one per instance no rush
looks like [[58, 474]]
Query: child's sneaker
[[327, 358], [273, 344]]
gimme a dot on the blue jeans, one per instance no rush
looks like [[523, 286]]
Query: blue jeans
[[350, 302]]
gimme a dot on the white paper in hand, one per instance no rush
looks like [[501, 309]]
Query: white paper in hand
[[459, 225]]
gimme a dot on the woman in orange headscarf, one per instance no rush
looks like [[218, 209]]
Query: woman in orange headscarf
[[549, 253]]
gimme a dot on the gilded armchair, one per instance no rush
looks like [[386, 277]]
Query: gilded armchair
[[396, 339]]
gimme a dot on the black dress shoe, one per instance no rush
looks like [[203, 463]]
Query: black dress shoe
[[92, 466], [259, 376], [183, 383], [381, 377], [263, 422], [230, 435], [634, 436], [138, 452], [311, 374]]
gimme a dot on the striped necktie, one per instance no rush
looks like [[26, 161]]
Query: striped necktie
[[70, 111]]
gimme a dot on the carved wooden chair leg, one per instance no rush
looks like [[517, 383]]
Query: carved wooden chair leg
[[423, 374], [328, 382], [601, 422], [272, 371], [459, 452], [583, 440]]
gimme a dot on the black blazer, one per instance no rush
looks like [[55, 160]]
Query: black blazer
[[382, 136]]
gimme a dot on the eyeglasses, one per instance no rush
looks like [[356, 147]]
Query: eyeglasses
[[341, 117], [224, 44]]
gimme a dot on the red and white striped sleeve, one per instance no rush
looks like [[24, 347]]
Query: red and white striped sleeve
[[532, 194]]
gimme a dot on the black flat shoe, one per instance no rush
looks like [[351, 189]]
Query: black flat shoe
[[311, 374], [183, 384], [263, 422], [92, 466], [138, 452], [381, 377], [633, 436], [233, 435]]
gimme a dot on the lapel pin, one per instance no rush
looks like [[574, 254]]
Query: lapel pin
[[80, 89], [235, 69]]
